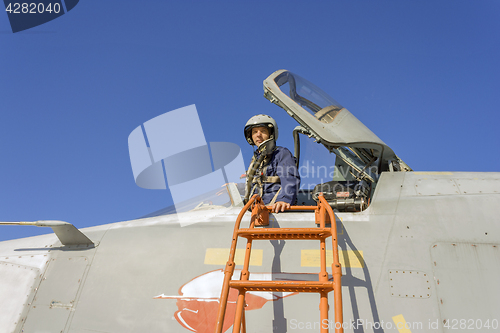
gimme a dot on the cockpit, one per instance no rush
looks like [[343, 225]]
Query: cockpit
[[348, 170], [337, 155]]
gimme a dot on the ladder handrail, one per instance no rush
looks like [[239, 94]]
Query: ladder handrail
[[322, 210], [333, 221], [229, 269], [336, 267]]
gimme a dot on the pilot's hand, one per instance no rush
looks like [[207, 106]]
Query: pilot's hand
[[280, 206]]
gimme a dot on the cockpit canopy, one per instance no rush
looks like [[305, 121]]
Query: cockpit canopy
[[332, 125]]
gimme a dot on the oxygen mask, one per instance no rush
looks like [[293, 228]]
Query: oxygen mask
[[267, 147]]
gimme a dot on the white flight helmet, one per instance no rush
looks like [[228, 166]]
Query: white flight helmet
[[261, 120]]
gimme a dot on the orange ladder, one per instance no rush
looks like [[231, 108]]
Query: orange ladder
[[260, 212]]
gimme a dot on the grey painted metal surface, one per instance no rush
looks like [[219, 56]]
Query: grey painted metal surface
[[467, 273], [113, 287]]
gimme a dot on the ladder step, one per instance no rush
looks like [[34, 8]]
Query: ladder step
[[285, 233], [283, 286]]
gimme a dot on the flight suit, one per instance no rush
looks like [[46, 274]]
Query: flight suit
[[277, 178]]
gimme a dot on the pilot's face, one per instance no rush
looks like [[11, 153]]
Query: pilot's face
[[259, 135]]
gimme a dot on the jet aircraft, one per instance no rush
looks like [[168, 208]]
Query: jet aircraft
[[419, 250]]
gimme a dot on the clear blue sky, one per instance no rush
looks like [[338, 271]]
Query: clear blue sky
[[423, 75]]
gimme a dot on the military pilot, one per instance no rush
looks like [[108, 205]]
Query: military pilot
[[273, 171]]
